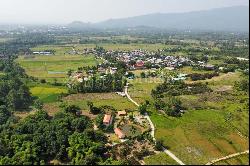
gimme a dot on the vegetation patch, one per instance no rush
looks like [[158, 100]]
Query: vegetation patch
[[99, 99], [47, 94], [160, 159]]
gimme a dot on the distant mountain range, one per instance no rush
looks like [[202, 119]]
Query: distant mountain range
[[220, 19]]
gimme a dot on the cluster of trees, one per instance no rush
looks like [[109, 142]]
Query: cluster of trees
[[242, 65], [243, 83], [166, 95], [148, 74], [39, 139], [230, 48], [109, 83], [14, 94], [23, 43], [172, 106], [197, 76], [176, 88]]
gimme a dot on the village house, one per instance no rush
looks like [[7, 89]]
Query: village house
[[119, 133], [107, 120], [122, 113], [113, 70], [208, 67], [102, 70], [42, 53], [139, 64], [140, 57]]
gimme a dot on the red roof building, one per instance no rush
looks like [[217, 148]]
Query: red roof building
[[107, 120], [119, 133], [139, 64], [122, 113]]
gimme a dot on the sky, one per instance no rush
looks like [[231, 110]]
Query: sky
[[66, 11]]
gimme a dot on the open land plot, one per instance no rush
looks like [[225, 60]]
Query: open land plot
[[234, 109], [199, 136], [239, 160], [47, 93], [131, 130], [189, 70], [54, 66], [225, 81], [125, 47], [100, 99], [159, 159], [140, 89], [215, 124]]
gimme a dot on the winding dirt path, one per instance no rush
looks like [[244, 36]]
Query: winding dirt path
[[227, 157], [169, 153]]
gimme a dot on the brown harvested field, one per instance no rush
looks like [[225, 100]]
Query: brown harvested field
[[224, 146], [224, 88], [51, 108], [91, 116], [23, 115], [91, 96]]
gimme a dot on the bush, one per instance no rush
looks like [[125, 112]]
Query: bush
[[38, 104], [159, 145], [43, 81], [196, 76]]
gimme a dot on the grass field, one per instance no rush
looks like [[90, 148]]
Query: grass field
[[199, 136], [240, 160], [46, 93], [100, 99], [159, 159], [54, 66], [210, 128], [140, 89], [189, 70], [128, 47]]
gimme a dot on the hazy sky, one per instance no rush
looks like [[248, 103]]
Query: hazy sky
[[66, 11]]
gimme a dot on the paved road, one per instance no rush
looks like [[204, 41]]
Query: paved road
[[227, 157], [153, 128]]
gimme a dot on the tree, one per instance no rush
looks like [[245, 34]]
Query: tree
[[148, 65], [142, 109], [143, 75], [242, 85], [132, 62], [158, 145], [173, 107], [73, 109], [4, 114], [69, 73], [43, 81], [90, 105], [38, 104]]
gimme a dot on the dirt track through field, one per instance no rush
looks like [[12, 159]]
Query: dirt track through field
[[227, 157], [169, 153]]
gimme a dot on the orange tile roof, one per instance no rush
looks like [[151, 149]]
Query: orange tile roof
[[119, 133], [122, 113], [107, 118]]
